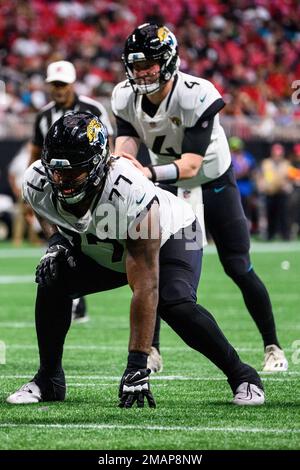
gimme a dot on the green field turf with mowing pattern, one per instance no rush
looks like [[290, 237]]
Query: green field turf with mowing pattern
[[193, 398]]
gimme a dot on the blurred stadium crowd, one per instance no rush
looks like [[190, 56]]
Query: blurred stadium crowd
[[249, 49]]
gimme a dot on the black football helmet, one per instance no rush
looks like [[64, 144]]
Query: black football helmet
[[76, 141], [151, 42]]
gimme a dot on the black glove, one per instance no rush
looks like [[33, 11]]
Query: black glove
[[60, 252], [135, 386]]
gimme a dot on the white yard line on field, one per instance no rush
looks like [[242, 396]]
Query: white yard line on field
[[24, 279], [21, 252], [284, 376], [93, 324], [173, 378], [16, 324], [256, 247], [121, 347], [150, 428]]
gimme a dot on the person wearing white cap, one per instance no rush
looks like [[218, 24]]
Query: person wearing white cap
[[61, 76], [61, 71]]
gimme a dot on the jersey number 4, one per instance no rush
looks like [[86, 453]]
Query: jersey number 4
[[157, 148]]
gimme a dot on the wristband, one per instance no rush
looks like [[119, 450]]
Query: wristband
[[168, 173], [56, 239], [137, 360]]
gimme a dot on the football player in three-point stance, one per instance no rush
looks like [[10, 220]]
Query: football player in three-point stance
[[177, 117], [107, 226]]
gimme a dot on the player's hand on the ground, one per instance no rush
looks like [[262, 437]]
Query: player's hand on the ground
[[135, 387], [59, 253]]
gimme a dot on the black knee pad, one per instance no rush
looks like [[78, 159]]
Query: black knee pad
[[236, 266], [171, 313], [177, 292], [233, 245], [184, 310]]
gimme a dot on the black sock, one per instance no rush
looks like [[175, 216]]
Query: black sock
[[156, 336], [53, 319], [258, 303]]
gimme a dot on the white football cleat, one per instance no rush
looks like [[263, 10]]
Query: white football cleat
[[248, 394], [275, 360], [155, 362], [28, 393]]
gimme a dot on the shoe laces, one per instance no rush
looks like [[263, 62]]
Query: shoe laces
[[273, 354], [27, 387]]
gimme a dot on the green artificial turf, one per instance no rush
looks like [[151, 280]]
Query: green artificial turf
[[193, 398]]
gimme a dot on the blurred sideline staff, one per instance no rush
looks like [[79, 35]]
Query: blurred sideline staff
[[274, 183], [294, 203], [61, 77], [23, 219]]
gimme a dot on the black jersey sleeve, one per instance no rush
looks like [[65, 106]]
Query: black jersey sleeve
[[197, 138], [124, 128]]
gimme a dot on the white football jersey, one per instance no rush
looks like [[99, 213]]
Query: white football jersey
[[114, 212], [163, 133]]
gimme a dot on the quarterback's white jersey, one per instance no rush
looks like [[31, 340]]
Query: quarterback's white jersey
[[163, 133], [114, 213]]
